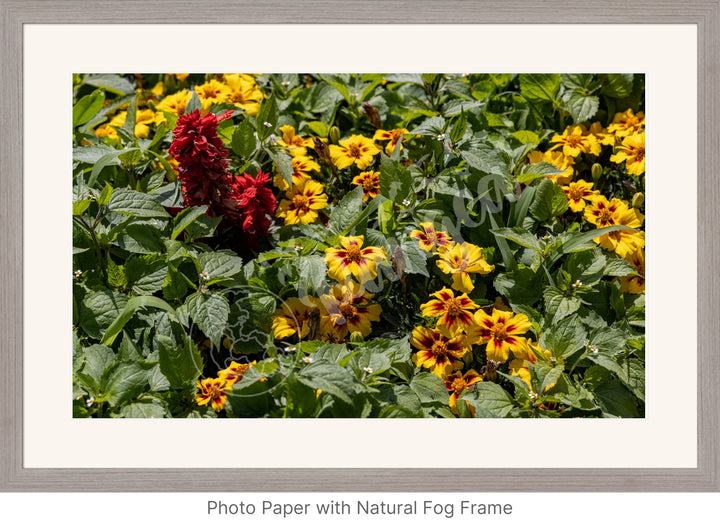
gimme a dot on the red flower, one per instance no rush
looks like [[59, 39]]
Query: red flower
[[255, 205]]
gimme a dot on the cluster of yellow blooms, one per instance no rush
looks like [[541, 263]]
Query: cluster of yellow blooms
[[212, 390]]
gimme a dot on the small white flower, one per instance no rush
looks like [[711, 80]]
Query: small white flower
[[273, 139], [553, 359], [307, 360], [267, 124], [77, 273], [289, 349], [203, 289], [587, 343], [90, 196], [533, 395], [440, 137], [406, 202], [285, 83], [465, 75], [298, 248], [593, 349], [164, 238], [204, 275], [577, 283], [368, 369], [89, 401]]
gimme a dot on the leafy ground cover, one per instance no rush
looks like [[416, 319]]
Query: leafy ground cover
[[365, 245]]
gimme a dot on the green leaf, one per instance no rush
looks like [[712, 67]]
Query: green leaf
[[617, 85], [109, 159], [105, 195], [550, 201], [283, 162], [459, 127], [179, 364], [558, 304], [539, 170], [430, 388], [146, 274], [395, 180], [540, 88], [508, 257], [430, 127], [346, 211], [129, 126], [564, 338], [125, 382], [582, 107], [184, 218], [519, 236], [143, 409], [115, 274], [618, 267], [491, 397], [164, 163], [135, 203], [579, 241], [250, 321], [616, 400], [244, 142], [87, 107], [588, 267], [111, 83], [90, 154], [487, 160], [98, 310], [415, 259], [526, 137], [129, 310], [79, 207], [210, 312], [98, 358], [329, 377], [522, 286], [313, 271], [218, 266], [139, 239], [268, 113]]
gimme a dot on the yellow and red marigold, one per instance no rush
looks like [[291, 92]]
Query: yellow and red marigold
[[439, 350], [578, 192], [428, 237], [575, 140], [627, 123], [244, 93], [175, 103], [302, 203], [557, 159], [212, 392], [211, 93], [635, 283], [301, 167], [296, 145], [461, 259], [370, 182], [357, 150], [346, 309], [632, 152], [393, 135], [353, 260], [233, 373], [294, 316], [456, 313], [603, 213], [458, 383], [501, 331]]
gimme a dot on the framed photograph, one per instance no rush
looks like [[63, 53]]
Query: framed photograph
[[417, 259]]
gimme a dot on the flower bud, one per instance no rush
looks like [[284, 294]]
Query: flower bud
[[372, 115], [334, 134], [638, 200], [356, 336], [597, 171]]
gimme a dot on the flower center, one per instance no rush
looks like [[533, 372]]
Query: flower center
[[458, 385], [640, 154], [354, 151], [498, 332], [439, 349], [368, 184], [354, 253], [605, 216], [213, 391], [576, 192], [453, 307], [301, 202], [348, 311], [574, 140]]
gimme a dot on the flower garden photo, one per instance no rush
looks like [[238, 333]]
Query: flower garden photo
[[358, 245]]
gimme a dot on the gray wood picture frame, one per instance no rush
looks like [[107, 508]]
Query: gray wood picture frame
[[15, 13]]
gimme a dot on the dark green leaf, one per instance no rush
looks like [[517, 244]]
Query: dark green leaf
[[244, 142], [124, 383], [135, 203], [87, 107], [550, 201], [179, 364], [540, 88], [210, 312]]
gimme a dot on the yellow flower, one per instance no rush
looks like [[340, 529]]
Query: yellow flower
[[439, 350], [142, 119], [460, 259], [244, 93], [576, 140], [175, 103], [158, 89], [616, 212], [212, 391], [577, 192], [519, 368], [346, 309], [357, 150], [302, 203], [456, 313], [635, 283], [394, 136], [301, 165], [603, 135], [107, 130], [627, 123], [500, 331], [458, 383], [211, 93], [428, 237], [181, 77], [294, 316], [296, 144], [233, 373], [632, 152], [557, 159], [352, 259], [370, 182]]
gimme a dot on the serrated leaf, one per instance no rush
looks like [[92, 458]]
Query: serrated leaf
[[283, 162], [124, 382], [139, 239], [98, 310], [549, 201], [91, 153], [519, 236], [218, 266], [430, 127], [617, 85], [618, 267], [582, 107], [616, 400], [98, 358], [146, 274], [143, 409], [346, 211], [564, 338], [492, 397], [540, 88], [111, 83], [329, 377], [210, 312], [79, 207], [313, 271], [559, 305], [395, 180], [185, 217], [135, 203], [521, 286], [244, 142], [429, 388], [179, 364], [539, 170], [415, 259], [588, 267], [128, 311]]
